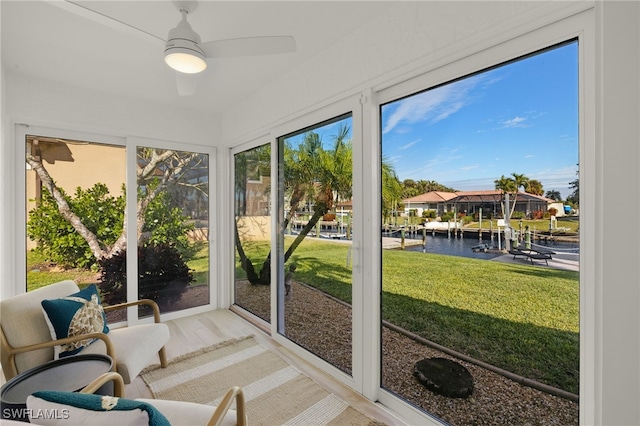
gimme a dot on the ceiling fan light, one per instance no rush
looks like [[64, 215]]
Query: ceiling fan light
[[185, 60]]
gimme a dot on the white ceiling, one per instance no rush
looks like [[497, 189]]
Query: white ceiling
[[55, 40]]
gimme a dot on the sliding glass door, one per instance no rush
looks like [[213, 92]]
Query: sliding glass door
[[173, 227], [315, 207], [252, 230], [81, 218]]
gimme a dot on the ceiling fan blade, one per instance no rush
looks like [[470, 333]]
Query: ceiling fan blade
[[249, 46], [86, 12], [187, 83]]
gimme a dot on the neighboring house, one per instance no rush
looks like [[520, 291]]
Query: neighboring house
[[256, 195], [434, 200], [470, 202]]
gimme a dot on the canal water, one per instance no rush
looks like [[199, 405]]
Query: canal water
[[459, 246]]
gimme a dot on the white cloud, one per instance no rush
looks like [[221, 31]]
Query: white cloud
[[515, 122], [410, 144], [433, 105]]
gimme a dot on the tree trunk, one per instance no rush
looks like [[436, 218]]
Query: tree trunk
[[65, 210], [245, 262], [265, 273]]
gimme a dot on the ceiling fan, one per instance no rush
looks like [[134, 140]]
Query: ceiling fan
[[185, 53], [183, 49]]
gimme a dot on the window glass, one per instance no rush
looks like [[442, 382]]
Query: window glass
[[173, 228], [252, 189], [76, 202], [480, 259], [315, 196]]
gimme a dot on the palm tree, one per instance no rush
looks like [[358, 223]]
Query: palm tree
[[534, 187], [391, 188], [337, 166], [511, 185], [311, 174], [554, 195], [506, 185]]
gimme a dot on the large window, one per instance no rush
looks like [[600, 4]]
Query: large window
[[78, 228], [314, 242], [480, 264]]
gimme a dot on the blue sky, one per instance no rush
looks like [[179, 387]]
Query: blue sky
[[518, 118]]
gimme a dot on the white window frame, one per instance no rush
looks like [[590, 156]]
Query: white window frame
[[130, 144], [350, 104], [576, 21], [216, 291], [580, 27]]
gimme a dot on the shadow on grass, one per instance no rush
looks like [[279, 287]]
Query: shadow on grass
[[543, 354]]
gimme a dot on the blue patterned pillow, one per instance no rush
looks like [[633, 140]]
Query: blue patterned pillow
[[76, 314]]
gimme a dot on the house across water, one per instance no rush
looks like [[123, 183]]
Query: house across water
[[470, 202]]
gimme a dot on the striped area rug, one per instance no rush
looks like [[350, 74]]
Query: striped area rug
[[275, 392]]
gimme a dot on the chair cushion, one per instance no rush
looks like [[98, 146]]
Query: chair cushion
[[136, 347], [188, 413], [64, 408], [23, 323], [73, 315]]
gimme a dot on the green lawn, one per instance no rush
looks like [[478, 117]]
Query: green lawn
[[521, 318], [518, 317]]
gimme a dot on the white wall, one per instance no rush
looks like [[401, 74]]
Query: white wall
[[46, 103], [392, 46], [618, 129], [385, 49]]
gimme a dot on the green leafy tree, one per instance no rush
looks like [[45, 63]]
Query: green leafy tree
[[412, 188], [534, 186], [85, 238], [391, 190], [102, 214], [158, 171]]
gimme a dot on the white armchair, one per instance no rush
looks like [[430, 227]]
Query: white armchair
[[26, 341], [108, 411]]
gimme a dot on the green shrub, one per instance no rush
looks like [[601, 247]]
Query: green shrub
[[429, 214], [102, 214], [447, 217], [163, 275], [166, 225], [59, 242]]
